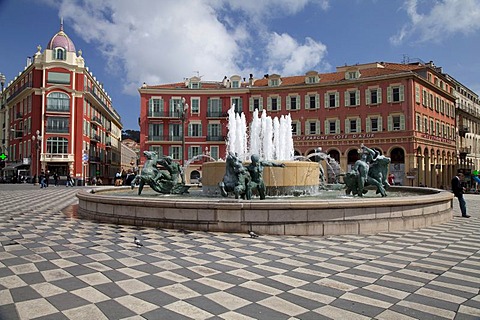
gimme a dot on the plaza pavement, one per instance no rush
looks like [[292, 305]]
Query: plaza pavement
[[55, 266]]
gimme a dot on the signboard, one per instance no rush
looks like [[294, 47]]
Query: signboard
[[3, 157], [85, 157]]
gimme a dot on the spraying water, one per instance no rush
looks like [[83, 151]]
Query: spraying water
[[270, 138]]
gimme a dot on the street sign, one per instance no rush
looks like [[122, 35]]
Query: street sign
[[3, 157], [85, 157]]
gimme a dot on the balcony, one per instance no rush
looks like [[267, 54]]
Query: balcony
[[57, 130], [57, 157], [96, 120], [156, 114], [20, 90], [94, 138], [216, 114], [215, 138]]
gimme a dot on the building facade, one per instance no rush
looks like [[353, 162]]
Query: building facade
[[56, 116], [405, 111]]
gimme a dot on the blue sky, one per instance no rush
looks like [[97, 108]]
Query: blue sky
[[126, 43]]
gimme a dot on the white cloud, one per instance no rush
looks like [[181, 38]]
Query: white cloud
[[287, 57], [444, 19], [165, 41]]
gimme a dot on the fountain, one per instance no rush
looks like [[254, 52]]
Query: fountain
[[282, 212], [270, 139]]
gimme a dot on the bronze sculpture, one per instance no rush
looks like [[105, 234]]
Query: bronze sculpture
[[370, 169], [161, 181]]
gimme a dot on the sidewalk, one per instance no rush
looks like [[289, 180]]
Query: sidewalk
[[55, 266]]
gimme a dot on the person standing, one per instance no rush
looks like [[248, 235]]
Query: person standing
[[55, 178], [458, 190], [69, 180], [42, 180]]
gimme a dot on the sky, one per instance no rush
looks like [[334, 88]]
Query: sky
[[126, 43]]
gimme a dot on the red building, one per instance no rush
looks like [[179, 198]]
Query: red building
[[56, 116], [405, 111]]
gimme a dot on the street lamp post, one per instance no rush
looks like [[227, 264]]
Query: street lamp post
[[37, 140], [2, 82], [183, 110]]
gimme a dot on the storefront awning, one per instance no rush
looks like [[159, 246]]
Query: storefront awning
[[15, 166]]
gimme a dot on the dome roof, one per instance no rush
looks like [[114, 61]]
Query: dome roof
[[61, 40]]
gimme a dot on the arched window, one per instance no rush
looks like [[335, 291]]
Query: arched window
[[60, 54], [57, 145], [58, 101]]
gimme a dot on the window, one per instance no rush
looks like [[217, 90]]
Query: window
[[194, 151], [176, 107], [214, 152], [332, 126], [238, 104], [214, 132], [155, 132], [425, 125], [331, 99], [175, 152], [235, 84], [296, 128], [418, 123], [155, 107], [352, 125], [195, 106], [274, 104], [274, 82], [195, 129], [313, 127], [374, 124], [157, 149], [395, 94], [57, 145], [57, 125], [60, 54], [352, 75], [214, 107], [312, 101], [256, 103], [432, 127], [175, 132], [58, 101], [352, 98], [373, 96], [417, 93], [194, 85], [293, 102], [396, 122]]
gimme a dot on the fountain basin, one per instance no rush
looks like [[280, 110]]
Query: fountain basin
[[297, 177], [279, 216]]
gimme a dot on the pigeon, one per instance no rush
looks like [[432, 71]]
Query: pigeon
[[137, 242], [252, 234]]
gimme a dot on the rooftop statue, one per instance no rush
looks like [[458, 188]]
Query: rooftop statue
[[168, 181]]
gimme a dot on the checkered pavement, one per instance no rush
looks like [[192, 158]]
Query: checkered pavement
[[56, 266]]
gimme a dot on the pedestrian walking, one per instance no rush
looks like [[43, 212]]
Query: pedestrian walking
[[55, 178], [69, 180], [42, 180], [458, 190]]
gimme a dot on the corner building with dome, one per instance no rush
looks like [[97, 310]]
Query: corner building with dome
[[57, 117]]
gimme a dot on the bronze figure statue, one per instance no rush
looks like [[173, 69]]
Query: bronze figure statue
[[162, 181]]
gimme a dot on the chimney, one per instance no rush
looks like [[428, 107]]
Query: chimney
[[250, 80]]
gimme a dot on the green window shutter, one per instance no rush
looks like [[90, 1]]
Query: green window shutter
[[357, 96], [359, 125], [380, 124], [337, 99], [250, 104], [347, 98], [297, 104], [417, 93], [317, 127], [279, 103], [390, 123], [367, 97], [190, 153], [288, 103], [337, 126], [389, 94], [325, 99], [269, 104], [402, 93], [368, 127], [260, 103], [347, 125], [402, 122], [379, 95], [326, 124], [307, 101], [317, 101]]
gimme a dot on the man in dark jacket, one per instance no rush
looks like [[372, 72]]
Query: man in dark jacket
[[458, 191]]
